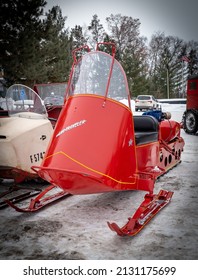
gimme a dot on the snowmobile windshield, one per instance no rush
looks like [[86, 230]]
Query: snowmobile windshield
[[52, 94], [98, 73], [20, 98]]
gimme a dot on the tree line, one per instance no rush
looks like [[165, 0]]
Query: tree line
[[37, 48]]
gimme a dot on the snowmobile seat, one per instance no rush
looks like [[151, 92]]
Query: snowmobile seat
[[146, 129]]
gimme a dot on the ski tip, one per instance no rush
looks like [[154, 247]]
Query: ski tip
[[116, 228]]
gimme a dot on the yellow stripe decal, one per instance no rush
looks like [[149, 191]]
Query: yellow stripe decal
[[89, 168]]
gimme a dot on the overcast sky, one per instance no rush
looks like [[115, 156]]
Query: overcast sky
[[174, 17]]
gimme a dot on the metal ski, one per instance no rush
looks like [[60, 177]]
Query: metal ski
[[151, 205], [19, 198], [29, 192], [40, 201]]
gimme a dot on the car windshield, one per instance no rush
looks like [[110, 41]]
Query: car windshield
[[20, 98], [91, 76]]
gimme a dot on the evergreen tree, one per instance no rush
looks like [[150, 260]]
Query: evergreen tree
[[21, 31], [34, 50], [55, 48], [77, 37], [97, 31]]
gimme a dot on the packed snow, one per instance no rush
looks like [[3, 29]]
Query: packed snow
[[75, 227]]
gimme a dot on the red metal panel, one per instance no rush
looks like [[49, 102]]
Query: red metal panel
[[93, 141], [169, 129], [192, 93]]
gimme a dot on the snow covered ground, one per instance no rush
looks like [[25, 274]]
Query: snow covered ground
[[75, 227]]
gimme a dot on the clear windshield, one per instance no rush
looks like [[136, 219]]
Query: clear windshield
[[91, 76], [20, 98], [52, 94]]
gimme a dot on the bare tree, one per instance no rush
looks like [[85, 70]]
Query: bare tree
[[124, 31], [132, 50], [165, 63], [192, 57]]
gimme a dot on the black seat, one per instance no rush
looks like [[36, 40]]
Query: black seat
[[146, 129]]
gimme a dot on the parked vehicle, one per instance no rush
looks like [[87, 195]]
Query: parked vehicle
[[99, 146], [190, 116], [146, 102], [25, 131]]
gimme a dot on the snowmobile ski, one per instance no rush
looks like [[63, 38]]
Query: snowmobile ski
[[151, 205], [19, 197], [40, 201]]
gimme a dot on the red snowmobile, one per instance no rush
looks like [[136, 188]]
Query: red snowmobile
[[99, 146], [190, 117]]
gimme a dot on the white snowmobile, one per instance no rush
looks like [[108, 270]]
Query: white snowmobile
[[25, 131]]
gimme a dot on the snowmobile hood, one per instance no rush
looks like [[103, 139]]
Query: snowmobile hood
[[22, 123]]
